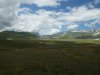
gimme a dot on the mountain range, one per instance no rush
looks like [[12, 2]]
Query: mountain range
[[12, 35]]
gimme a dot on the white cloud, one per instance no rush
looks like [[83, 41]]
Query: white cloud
[[24, 11], [42, 3], [82, 13], [43, 21], [93, 23], [40, 22], [68, 8], [8, 9], [72, 26], [97, 1], [48, 31], [8, 3]]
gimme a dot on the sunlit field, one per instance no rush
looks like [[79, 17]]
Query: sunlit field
[[49, 57]]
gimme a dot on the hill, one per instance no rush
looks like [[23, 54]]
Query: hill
[[77, 35], [12, 35]]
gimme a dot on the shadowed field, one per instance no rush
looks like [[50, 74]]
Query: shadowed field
[[46, 57]]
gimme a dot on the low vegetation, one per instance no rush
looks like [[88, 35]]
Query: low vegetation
[[49, 57]]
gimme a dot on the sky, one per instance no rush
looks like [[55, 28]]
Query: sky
[[49, 16]]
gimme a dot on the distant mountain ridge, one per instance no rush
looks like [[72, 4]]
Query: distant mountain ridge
[[9, 35], [77, 35], [12, 35]]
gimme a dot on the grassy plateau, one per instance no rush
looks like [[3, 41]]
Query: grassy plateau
[[49, 57]]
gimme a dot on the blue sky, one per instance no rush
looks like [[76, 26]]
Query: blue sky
[[51, 16], [63, 5]]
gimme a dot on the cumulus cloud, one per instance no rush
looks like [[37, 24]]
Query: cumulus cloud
[[97, 1], [73, 26], [24, 11], [42, 3], [43, 21], [93, 23], [8, 9], [82, 13], [48, 31], [68, 8]]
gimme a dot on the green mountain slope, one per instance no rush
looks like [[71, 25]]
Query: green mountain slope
[[76, 35], [12, 35]]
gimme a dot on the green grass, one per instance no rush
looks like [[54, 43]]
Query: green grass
[[49, 57]]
